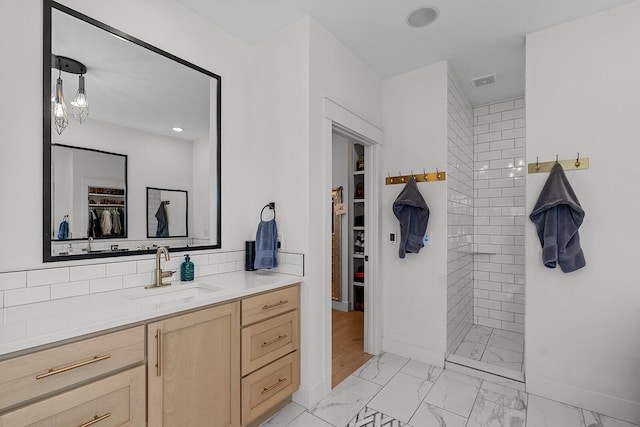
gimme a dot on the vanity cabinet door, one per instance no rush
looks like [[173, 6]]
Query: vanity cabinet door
[[193, 369]]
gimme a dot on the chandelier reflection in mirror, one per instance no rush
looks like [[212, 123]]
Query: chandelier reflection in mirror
[[79, 105]]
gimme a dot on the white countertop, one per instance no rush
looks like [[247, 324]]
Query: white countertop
[[33, 325]]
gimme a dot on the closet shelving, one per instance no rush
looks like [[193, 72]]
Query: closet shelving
[[358, 228], [112, 199]]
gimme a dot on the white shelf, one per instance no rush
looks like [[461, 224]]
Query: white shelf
[[98, 205], [358, 283], [106, 195], [358, 172], [358, 200], [361, 256], [358, 228]]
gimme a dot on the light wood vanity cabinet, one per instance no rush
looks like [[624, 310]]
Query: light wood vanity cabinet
[[38, 388], [193, 368], [270, 352]]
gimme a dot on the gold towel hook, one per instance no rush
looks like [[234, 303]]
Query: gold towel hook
[[401, 177], [438, 174], [537, 164], [390, 177], [426, 176], [556, 158], [577, 163]]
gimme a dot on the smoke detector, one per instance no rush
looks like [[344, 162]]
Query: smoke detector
[[484, 80]]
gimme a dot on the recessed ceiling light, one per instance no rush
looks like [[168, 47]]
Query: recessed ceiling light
[[177, 129], [422, 16]]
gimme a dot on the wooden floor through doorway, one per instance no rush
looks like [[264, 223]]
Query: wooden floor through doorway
[[348, 343]]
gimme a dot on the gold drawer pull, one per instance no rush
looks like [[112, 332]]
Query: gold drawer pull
[[74, 366], [158, 352], [96, 419], [268, 306], [271, 387], [273, 341]]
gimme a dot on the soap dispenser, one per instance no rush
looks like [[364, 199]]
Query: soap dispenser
[[186, 269]]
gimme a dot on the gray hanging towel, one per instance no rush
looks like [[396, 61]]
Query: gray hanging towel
[[413, 213], [162, 230], [557, 216]]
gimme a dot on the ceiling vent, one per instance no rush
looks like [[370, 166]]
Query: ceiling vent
[[484, 80]]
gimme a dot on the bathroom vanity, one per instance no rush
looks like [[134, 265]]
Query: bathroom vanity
[[228, 356]]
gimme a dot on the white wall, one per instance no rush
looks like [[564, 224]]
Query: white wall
[[415, 288], [163, 23], [583, 328]]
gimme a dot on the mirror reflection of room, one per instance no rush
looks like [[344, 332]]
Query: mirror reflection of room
[[98, 206], [167, 213]]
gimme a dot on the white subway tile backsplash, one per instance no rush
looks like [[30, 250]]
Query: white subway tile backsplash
[[86, 272], [13, 297], [493, 136], [295, 259], [47, 276], [105, 284], [490, 323], [235, 256], [480, 110], [121, 268], [13, 280], [135, 280], [70, 289], [218, 258], [207, 270], [227, 267], [518, 103], [514, 133], [146, 266]]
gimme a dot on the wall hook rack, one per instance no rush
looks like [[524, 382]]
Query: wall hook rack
[[577, 163], [423, 177]]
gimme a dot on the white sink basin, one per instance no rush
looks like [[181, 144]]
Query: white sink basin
[[171, 295]]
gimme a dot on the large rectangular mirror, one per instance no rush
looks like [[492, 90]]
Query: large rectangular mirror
[[110, 97]]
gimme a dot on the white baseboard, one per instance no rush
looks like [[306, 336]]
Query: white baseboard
[[340, 305], [308, 397], [411, 351], [590, 400]]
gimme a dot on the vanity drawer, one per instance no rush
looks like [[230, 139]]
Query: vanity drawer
[[33, 375], [260, 307], [268, 386], [114, 401], [264, 342]]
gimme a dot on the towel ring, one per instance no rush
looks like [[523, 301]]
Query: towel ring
[[271, 206]]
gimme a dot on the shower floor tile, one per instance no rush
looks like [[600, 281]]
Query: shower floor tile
[[493, 347]]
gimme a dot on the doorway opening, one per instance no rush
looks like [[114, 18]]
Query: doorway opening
[[348, 255]]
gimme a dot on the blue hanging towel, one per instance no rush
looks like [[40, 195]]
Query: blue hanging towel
[[63, 230], [266, 245]]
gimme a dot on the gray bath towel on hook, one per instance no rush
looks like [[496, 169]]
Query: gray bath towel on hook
[[557, 216], [413, 213]]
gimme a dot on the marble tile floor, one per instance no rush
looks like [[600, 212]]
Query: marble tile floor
[[494, 347], [392, 391]]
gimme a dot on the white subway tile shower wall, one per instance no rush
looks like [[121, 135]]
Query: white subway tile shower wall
[[500, 171], [459, 216], [27, 287]]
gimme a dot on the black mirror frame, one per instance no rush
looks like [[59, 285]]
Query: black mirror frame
[[49, 5]]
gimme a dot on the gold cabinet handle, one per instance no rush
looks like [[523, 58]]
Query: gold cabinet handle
[[74, 366], [158, 352], [96, 419], [271, 387], [268, 306], [273, 341]]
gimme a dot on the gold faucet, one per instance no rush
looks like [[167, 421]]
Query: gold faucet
[[159, 274]]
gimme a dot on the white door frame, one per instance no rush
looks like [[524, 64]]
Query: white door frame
[[346, 122]]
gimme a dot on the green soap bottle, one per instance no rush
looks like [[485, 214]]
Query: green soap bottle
[[186, 270]]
